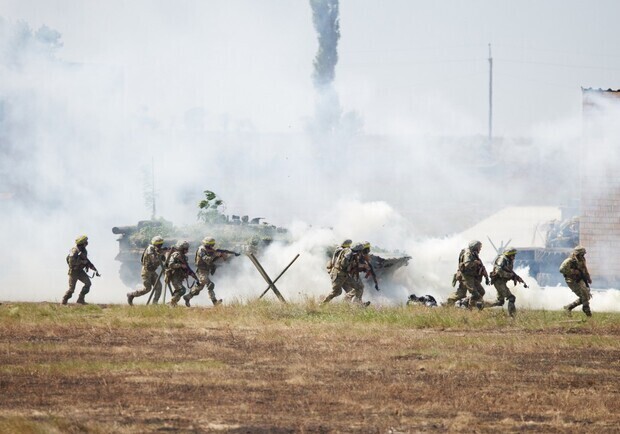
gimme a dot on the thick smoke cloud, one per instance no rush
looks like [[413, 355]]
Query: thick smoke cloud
[[74, 151]]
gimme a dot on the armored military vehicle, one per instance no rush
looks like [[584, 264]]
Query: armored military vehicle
[[544, 262], [239, 234]]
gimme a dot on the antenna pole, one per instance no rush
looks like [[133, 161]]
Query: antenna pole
[[490, 95]]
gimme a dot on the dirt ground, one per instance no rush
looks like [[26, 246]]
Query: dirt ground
[[197, 375]]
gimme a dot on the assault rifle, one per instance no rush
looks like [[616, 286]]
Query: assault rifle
[[229, 252], [517, 279], [92, 267], [370, 271]]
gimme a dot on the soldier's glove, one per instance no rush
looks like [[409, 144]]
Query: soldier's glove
[[377, 287], [97, 273], [525, 285]]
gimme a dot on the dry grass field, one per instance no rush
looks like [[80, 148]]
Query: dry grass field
[[272, 368]]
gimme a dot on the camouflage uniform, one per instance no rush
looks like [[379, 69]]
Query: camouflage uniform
[[471, 270], [577, 277], [152, 258], [502, 273], [461, 290], [177, 272], [78, 264], [205, 259], [342, 261], [362, 265]]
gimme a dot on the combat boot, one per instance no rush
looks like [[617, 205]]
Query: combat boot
[[586, 310], [130, 297], [569, 307], [187, 298], [81, 300], [217, 302], [512, 310], [366, 304], [65, 299]]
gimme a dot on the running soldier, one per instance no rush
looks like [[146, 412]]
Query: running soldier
[[345, 245], [501, 274], [152, 259], [471, 270], [205, 259], [78, 266], [177, 271], [362, 265], [578, 279], [343, 263]]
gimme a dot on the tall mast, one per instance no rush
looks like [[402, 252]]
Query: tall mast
[[490, 95]]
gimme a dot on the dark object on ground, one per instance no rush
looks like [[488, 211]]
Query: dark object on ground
[[423, 300]]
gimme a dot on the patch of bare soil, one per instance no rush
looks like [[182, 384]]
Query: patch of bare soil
[[302, 379]]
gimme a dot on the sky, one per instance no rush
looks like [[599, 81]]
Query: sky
[[398, 58], [219, 95]]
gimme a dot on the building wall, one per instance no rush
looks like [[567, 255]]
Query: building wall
[[600, 184]]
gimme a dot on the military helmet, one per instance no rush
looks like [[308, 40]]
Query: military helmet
[[358, 247], [510, 251], [157, 240], [82, 239], [346, 243], [208, 241], [474, 244], [580, 250], [182, 245], [366, 245]]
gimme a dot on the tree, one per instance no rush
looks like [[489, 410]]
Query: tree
[[211, 208]]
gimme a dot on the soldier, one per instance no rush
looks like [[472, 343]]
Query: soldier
[[362, 264], [205, 259], [340, 272], [152, 259], [345, 245], [177, 270], [78, 265], [578, 279], [501, 274], [471, 271]]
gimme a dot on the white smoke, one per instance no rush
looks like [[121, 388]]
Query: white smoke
[[75, 137]]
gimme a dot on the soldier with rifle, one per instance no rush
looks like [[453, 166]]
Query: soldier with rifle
[[79, 264], [206, 257], [578, 279], [362, 265], [178, 270], [501, 274], [152, 258]]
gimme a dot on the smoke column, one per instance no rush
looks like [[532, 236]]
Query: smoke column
[[325, 17]]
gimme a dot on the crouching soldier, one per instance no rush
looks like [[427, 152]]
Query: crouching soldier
[[177, 270], [152, 259], [578, 279], [502, 273], [206, 257], [78, 265]]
